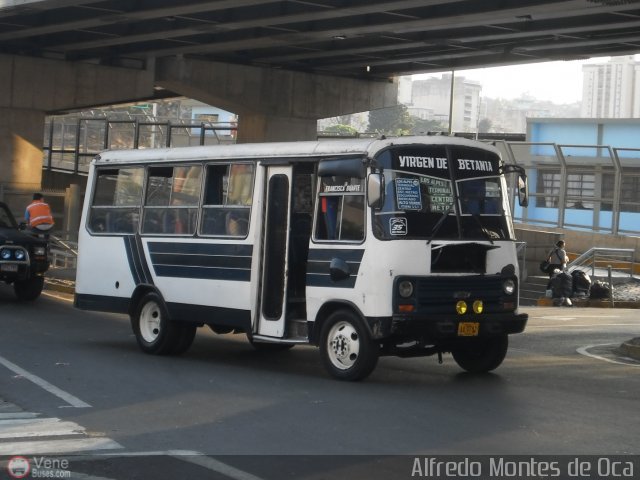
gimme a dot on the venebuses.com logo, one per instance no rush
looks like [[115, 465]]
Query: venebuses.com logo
[[18, 467], [38, 467]]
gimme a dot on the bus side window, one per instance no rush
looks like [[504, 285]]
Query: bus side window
[[171, 200], [227, 202], [340, 216], [116, 201]]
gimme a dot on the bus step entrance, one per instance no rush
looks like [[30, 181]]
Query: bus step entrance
[[297, 329]]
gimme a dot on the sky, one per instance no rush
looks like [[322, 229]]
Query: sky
[[559, 82]]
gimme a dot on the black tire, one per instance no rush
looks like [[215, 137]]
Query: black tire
[[481, 355], [155, 332], [348, 352], [28, 290], [186, 335], [269, 347]]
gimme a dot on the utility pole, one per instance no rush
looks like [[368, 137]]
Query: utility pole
[[451, 103]]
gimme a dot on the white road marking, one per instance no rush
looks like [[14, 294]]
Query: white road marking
[[585, 351], [15, 415], [197, 458], [217, 466], [39, 447], [38, 427], [67, 397], [40, 436]]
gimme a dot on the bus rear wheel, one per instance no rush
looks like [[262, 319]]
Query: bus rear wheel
[[348, 351], [155, 332], [481, 355]]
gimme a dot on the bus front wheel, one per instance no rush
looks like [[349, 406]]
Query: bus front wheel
[[347, 350], [481, 355], [155, 332]]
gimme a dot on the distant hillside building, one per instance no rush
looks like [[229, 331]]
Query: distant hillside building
[[612, 89]]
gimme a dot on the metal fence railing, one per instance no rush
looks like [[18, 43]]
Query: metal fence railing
[[602, 260], [64, 252]]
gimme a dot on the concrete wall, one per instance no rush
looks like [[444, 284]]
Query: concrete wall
[[21, 133], [31, 87], [540, 242]]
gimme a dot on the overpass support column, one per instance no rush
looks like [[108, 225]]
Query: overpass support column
[[260, 128], [21, 134]]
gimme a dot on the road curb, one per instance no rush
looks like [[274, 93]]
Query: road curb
[[631, 348], [58, 286], [580, 302]]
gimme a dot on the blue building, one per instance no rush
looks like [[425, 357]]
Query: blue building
[[584, 174]]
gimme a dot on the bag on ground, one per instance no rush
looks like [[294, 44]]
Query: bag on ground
[[581, 283], [599, 290]]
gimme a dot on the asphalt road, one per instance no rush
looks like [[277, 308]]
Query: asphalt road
[[78, 377]]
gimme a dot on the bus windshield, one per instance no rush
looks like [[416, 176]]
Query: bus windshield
[[442, 192]]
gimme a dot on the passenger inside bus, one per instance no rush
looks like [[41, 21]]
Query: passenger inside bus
[[330, 216]]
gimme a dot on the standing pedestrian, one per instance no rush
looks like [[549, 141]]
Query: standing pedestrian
[[557, 258]]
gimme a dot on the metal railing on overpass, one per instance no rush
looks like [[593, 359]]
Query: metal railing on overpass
[[72, 141], [581, 187], [600, 260]]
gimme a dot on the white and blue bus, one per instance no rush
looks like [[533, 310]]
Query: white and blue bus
[[363, 247]]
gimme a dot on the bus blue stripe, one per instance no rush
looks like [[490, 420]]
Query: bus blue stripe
[[203, 273], [206, 261]]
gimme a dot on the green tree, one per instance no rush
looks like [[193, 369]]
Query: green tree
[[391, 120], [484, 125], [422, 126], [343, 130]]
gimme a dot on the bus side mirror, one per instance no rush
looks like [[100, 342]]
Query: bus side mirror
[[375, 190], [523, 190]]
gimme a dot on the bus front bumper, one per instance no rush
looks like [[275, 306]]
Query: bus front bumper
[[433, 328]]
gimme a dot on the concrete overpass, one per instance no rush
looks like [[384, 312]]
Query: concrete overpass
[[280, 65]]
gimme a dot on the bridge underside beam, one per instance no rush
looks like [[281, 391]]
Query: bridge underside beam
[[273, 105]]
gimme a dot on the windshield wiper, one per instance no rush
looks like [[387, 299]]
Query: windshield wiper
[[476, 217], [439, 223]]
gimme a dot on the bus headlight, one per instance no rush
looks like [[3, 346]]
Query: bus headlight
[[19, 254], [478, 306], [5, 254], [508, 287], [461, 307], [405, 289]]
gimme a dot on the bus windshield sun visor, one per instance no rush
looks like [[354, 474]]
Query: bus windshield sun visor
[[342, 167]]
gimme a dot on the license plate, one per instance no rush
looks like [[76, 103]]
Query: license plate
[[9, 267], [468, 329]]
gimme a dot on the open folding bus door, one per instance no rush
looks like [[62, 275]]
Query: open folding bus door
[[273, 290]]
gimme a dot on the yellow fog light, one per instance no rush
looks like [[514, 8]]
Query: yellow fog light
[[461, 307], [478, 306]]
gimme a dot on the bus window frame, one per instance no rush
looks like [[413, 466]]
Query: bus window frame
[[318, 201], [226, 207], [144, 207], [94, 191]]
